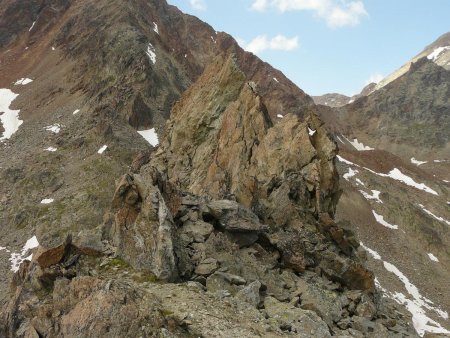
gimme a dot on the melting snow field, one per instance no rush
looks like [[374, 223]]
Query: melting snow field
[[102, 149], [433, 257], [54, 128], [440, 219], [417, 162], [151, 52], [416, 304], [150, 136], [23, 81], [17, 258], [435, 54], [9, 118], [155, 28], [380, 219]]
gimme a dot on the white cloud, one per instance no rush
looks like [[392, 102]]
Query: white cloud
[[199, 5], [374, 78], [337, 13], [279, 42], [259, 5]]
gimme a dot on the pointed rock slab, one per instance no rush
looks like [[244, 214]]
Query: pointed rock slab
[[143, 230]]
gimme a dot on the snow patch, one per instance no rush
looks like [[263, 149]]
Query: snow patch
[[380, 219], [396, 174], [416, 305], [23, 81], [17, 258], [32, 26], [433, 257], [53, 48], [155, 27], [54, 128], [436, 52], [275, 79], [311, 132], [375, 195], [340, 139], [280, 116], [10, 118], [102, 149], [214, 40], [151, 52], [47, 201], [75, 112], [51, 149], [350, 173], [440, 219], [351, 101], [417, 162], [150, 136]]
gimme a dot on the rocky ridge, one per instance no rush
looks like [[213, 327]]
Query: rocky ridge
[[235, 208], [271, 245]]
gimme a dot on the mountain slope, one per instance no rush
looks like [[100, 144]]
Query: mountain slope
[[394, 164], [236, 206]]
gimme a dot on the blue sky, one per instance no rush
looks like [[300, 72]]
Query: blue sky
[[328, 45]]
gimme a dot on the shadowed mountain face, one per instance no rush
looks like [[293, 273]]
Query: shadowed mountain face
[[236, 205]]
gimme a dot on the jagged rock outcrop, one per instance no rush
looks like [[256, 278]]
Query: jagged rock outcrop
[[258, 227]]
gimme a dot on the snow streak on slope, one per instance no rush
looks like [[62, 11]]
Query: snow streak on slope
[[395, 174], [415, 303], [151, 52], [417, 162], [440, 219], [380, 219]]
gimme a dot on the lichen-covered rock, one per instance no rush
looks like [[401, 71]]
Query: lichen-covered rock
[[303, 323], [143, 230]]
